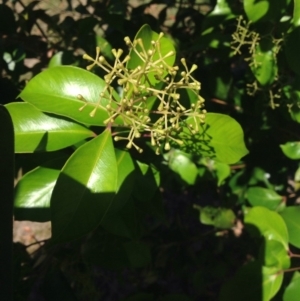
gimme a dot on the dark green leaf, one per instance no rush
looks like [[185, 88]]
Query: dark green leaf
[[126, 180], [85, 189], [292, 49], [138, 254]]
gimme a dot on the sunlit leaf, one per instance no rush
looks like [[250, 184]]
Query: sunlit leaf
[[259, 196], [268, 223], [274, 254], [220, 138], [69, 91], [291, 150], [166, 47], [183, 166], [36, 131], [292, 291], [33, 192], [291, 217]]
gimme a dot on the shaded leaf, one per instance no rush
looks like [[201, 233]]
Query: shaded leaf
[[85, 189], [218, 217], [126, 180], [264, 284], [138, 254], [292, 48]]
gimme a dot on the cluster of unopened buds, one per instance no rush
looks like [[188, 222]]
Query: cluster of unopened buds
[[150, 103]]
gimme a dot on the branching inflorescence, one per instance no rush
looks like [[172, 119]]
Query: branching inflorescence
[[152, 81]]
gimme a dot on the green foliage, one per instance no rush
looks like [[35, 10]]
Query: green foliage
[[203, 116]]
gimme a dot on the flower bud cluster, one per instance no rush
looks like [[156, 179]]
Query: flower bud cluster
[[152, 81]]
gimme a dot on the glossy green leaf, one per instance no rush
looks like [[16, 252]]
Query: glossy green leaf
[[85, 189], [273, 254], [268, 223], [258, 196], [218, 217], [221, 12], [220, 138], [126, 180], [264, 65], [166, 46], [291, 217], [291, 150], [292, 291], [180, 163], [59, 90], [36, 131], [33, 192]]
